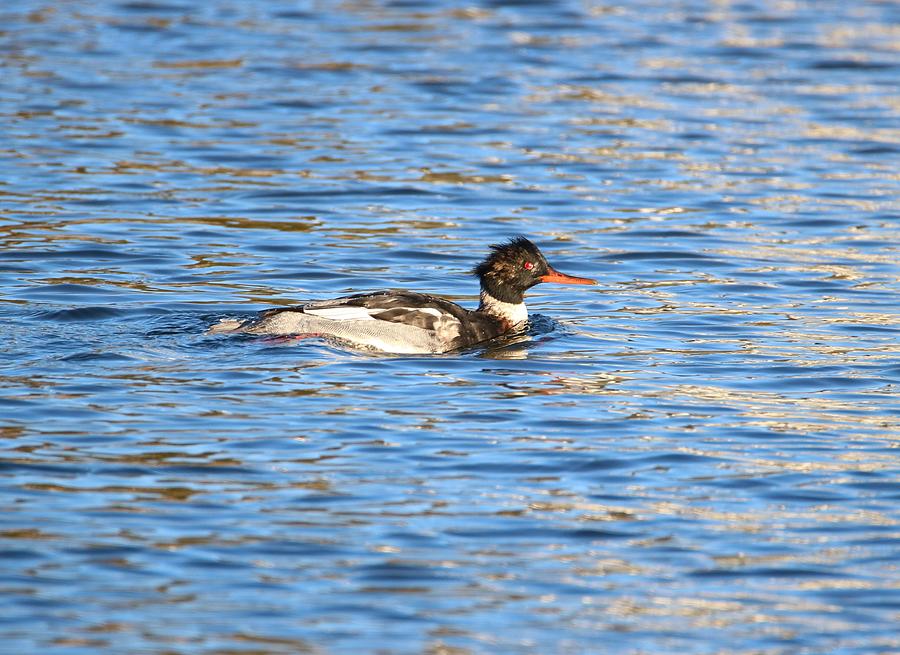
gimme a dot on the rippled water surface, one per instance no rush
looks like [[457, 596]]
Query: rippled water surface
[[699, 455]]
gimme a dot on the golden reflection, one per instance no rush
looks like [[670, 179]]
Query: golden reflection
[[29, 534], [756, 521], [15, 381], [788, 413], [460, 178], [654, 124], [830, 584], [200, 63], [217, 259], [169, 493], [53, 230], [828, 556], [296, 645], [607, 566], [330, 65], [176, 166], [816, 249], [594, 94], [400, 27], [102, 282], [743, 40], [80, 642]]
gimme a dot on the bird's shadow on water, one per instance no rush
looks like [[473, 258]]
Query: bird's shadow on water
[[517, 344]]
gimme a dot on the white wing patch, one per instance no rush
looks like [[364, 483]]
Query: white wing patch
[[341, 313]]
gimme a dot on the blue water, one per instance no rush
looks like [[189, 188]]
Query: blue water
[[699, 455]]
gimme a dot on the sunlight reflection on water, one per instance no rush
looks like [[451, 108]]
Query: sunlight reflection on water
[[696, 456]]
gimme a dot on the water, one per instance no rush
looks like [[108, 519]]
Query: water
[[700, 455]]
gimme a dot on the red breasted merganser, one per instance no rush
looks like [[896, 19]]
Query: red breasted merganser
[[405, 322]]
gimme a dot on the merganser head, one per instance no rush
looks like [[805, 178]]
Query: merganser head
[[514, 267]]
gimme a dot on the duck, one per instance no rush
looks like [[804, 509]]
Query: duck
[[398, 321]]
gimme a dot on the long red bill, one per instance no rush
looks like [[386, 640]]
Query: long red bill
[[562, 278]]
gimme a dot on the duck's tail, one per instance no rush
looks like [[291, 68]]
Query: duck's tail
[[225, 326]]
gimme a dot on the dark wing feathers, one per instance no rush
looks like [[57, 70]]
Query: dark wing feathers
[[409, 316], [406, 306], [381, 302]]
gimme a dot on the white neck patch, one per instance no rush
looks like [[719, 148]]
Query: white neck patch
[[514, 313]]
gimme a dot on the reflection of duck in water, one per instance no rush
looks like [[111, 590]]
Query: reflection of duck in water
[[409, 322]]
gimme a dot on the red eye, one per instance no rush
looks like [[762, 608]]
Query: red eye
[[528, 266]]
